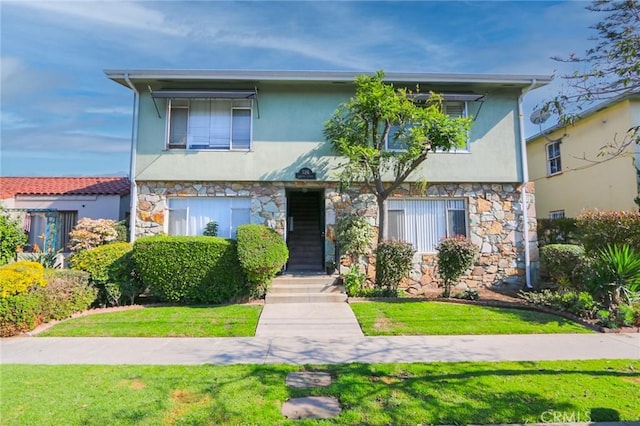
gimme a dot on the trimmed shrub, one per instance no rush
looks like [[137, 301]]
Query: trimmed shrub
[[19, 313], [18, 277], [262, 253], [557, 231], [91, 233], [354, 236], [564, 263], [455, 255], [581, 303], [393, 264], [111, 271], [598, 229], [190, 269], [66, 293], [11, 237]]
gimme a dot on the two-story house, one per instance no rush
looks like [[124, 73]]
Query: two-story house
[[247, 146], [590, 164]]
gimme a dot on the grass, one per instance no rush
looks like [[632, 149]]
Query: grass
[[175, 321], [438, 318], [438, 393]]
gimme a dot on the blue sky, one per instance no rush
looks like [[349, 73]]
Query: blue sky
[[60, 115]]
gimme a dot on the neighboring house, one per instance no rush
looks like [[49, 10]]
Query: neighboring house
[[589, 164], [50, 207], [246, 146]]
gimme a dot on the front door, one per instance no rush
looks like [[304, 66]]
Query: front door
[[305, 230]]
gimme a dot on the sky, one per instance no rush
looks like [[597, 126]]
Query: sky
[[61, 116]]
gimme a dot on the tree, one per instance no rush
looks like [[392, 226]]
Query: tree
[[379, 114], [11, 237], [609, 69]]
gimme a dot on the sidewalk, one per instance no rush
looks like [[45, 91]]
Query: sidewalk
[[301, 350]]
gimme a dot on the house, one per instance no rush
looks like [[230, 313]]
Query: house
[[50, 207], [247, 146], [589, 164]]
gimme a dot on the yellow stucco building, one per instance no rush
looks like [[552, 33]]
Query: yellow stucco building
[[588, 165]]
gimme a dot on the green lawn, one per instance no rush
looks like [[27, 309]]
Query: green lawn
[[175, 321], [438, 318], [438, 393]]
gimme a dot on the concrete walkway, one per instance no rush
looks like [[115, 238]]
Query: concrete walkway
[[303, 350], [311, 320]]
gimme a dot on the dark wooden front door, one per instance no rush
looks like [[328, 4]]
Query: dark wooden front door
[[305, 230]]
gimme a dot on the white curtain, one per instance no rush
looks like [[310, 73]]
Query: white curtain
[[190, 215]]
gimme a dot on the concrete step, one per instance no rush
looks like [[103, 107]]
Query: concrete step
[[305, 278], [305, 298], [305, 288]]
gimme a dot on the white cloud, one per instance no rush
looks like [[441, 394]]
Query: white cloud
[[116, 14], [110, 111], [11, 121]]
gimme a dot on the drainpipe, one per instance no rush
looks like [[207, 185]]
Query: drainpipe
[[133, 216], [523, 190]]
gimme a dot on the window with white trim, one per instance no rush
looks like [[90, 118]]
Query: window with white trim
[[423, 223], [190, 215], [223, 124], [556, 214], [554, 164], [455, 109]]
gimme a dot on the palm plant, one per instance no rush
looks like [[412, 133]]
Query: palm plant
[[617, 274]]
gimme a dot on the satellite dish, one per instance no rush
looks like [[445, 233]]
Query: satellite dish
[[540, 116]]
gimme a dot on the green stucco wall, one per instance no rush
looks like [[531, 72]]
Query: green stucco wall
[[287, 135]]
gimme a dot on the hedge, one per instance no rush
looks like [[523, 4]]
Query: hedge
[[190, 269], [598, 229], [111, 271], [18, 277], [566, 264], [262, 253], [557, 231]]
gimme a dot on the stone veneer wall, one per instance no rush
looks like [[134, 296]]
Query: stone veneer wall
[[495, 221]]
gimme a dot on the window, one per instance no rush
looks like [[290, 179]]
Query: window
[[424, 223], [190, 215], [556, 214], [554, 165], [453, 109], [210, 123]]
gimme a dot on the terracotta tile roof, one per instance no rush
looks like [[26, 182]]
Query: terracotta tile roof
[[12, 186]]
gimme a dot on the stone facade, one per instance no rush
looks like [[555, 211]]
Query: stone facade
[[495, 220]]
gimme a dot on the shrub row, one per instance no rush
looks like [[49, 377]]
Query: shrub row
[[64, 292], [190, 269], [598, 229]]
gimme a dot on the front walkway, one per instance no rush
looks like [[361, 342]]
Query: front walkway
[[327, 350]]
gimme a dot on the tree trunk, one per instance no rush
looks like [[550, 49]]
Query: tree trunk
[[383, 232]]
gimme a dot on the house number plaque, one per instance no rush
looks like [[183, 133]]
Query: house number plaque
[[306, 173]]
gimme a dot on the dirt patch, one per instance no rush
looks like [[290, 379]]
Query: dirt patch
[[382, 323], [133, 384]]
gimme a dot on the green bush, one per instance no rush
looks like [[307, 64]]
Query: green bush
[[190, 269], [11, 237], [211, 230], [18, 277], [354, 282], [393, 264], [564, 263], [19, 313], [581, 303], [262, 253], [354, 236], [455, 255], [66, 293], [598, 229], [557, 231], [111, 271]]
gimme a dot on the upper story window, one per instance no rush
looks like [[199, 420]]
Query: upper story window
[[554, 165], [455, 109], [223, 124]]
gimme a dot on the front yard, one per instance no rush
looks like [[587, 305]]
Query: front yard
[[440, 318], [438, 393]]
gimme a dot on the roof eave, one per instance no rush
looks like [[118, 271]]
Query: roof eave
[[323, 76]]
